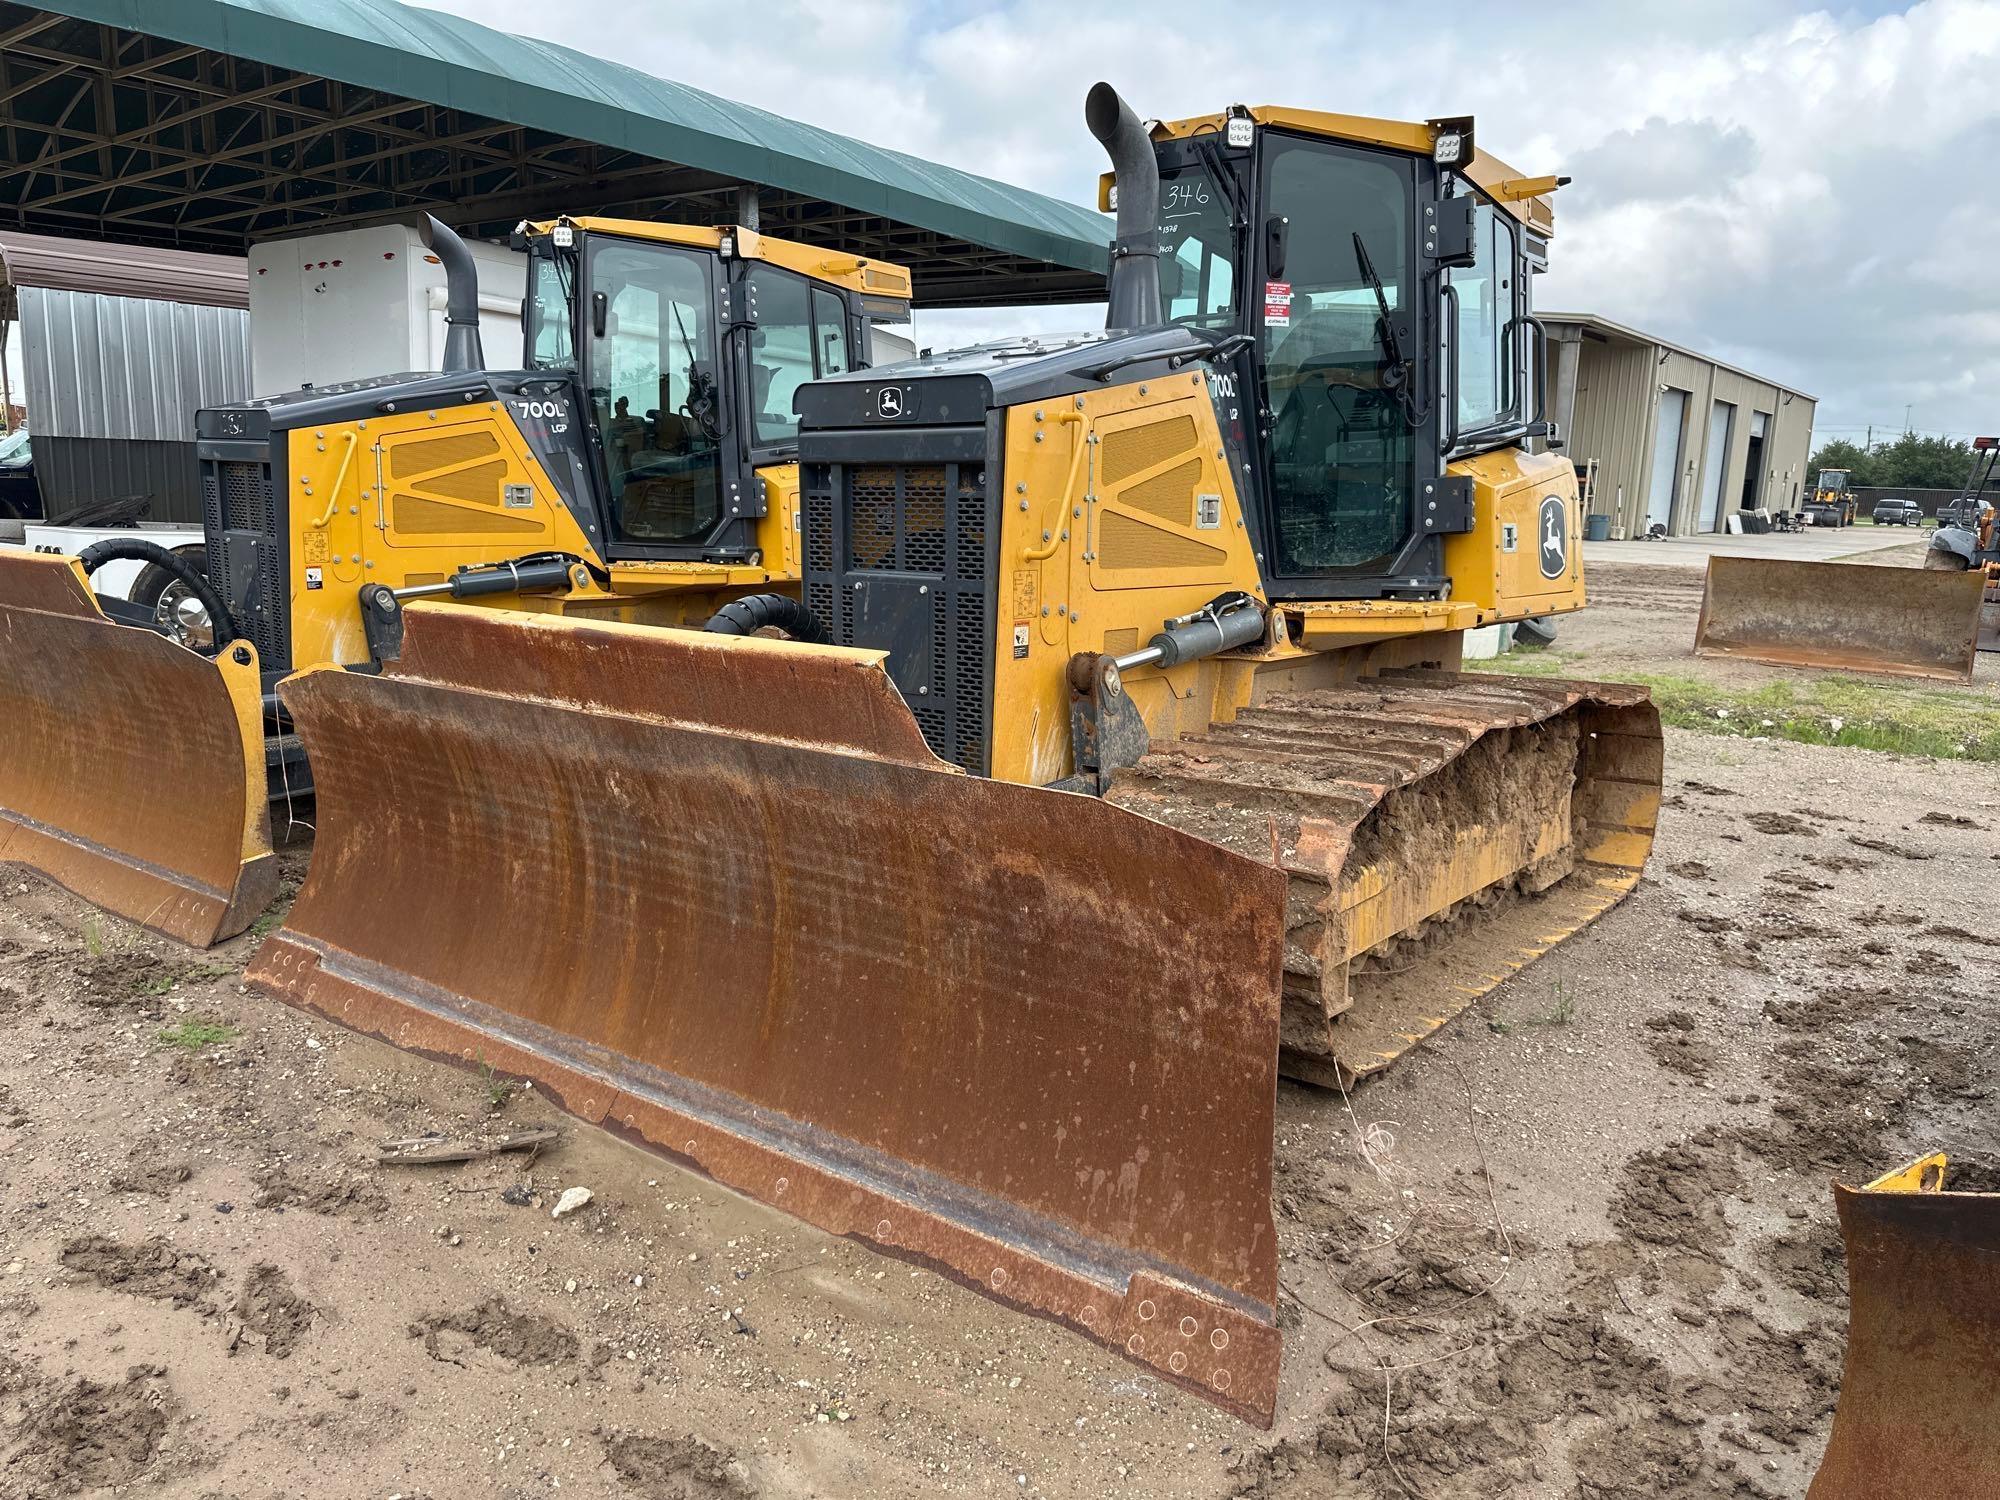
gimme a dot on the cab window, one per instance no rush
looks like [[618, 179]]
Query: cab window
[[1343, 444], [653, 391], [829, 332], [549, 342], [1197, 249], [1488, 297], [801, 334]]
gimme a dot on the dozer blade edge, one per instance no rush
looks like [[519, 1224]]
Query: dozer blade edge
[[1919, 1412], [133, 769], [1843, 617], [716, 894]]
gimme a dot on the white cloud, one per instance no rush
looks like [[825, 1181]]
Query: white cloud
[[1802, 192]]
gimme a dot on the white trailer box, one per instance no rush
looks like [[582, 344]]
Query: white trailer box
[[357, 303]]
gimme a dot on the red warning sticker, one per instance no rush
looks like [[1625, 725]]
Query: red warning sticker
[[1277, 304]]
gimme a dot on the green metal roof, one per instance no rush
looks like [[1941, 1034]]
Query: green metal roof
[[399, 54]]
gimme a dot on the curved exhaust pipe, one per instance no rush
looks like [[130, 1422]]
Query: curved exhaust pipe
[[1135, 253], [461, 279]]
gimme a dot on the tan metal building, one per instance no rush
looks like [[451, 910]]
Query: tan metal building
[[1662, 435]]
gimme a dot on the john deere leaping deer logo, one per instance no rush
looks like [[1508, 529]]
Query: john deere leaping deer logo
[[889, 402], [1555, 537]]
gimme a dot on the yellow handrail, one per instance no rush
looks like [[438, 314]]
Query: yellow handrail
[[339, 478], [1054, 533]]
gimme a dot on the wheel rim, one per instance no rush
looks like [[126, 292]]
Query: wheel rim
[[182, 617]]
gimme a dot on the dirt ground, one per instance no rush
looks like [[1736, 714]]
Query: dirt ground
[[1579, 1244]]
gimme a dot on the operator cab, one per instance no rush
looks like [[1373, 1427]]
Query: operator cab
[[688, 345], [1381, 293]]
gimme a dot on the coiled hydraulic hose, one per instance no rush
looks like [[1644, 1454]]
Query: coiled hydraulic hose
[[132, 549], [757, 612]]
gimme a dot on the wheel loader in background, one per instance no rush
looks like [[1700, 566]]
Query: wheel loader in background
[[138, 771], [1135, 765]]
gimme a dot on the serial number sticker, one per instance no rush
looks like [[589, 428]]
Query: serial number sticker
[[1020, 639], [314, 580], [1024, 592]]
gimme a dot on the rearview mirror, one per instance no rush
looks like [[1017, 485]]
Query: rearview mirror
[[1277, 230]]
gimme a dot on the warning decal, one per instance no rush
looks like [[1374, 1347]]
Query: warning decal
[[1277, 304]]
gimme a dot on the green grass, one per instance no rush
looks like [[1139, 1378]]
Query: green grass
[[498, 1090], [1942, 723], [267, 924], [93, 937], [1561, 1012], [192, 1036], [1564, 1009]]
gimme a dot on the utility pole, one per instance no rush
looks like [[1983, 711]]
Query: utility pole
[[1906, 420], [1869, 446]]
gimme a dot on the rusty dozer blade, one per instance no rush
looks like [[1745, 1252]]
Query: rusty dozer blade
[[131, 769], [1440, 831], [717, 895], [1919, 1413], [1846, 617]]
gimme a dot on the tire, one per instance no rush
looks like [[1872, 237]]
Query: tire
[[180, 615], [1537, 634]]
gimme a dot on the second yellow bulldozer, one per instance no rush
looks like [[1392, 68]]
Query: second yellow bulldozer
[[663, 492]]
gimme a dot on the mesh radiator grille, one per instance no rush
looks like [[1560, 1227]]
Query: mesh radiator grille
[[240, 515], [896, 524]]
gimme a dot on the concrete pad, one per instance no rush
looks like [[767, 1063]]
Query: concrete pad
[[1814, 544]]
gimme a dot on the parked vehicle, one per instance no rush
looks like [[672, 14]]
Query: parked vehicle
[[1893, 512], [20, 495]]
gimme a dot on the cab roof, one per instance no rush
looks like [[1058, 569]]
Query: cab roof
[[1526, 198], [872, 278]]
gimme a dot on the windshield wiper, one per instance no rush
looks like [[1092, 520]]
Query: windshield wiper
[[1397, 366]]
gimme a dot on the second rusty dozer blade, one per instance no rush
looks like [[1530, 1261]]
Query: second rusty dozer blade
[[131, 769], [1850, 617], [1919, 1413], [717, 895]]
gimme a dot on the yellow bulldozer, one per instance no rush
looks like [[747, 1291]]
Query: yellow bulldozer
[[662, 494], [1120, 757]]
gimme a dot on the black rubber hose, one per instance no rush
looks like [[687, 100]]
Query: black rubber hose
[[132, 549], [757, 612]]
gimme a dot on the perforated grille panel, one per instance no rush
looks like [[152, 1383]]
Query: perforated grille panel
[[427, 455], [1131, 449], [1126, 542], [1168, 495], [247, 554], [914, 579]]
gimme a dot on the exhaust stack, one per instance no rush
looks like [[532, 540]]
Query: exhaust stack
[[1135, 253], [461, 317]]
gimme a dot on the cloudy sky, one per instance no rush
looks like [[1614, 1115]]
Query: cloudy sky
[[1807, 193]]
